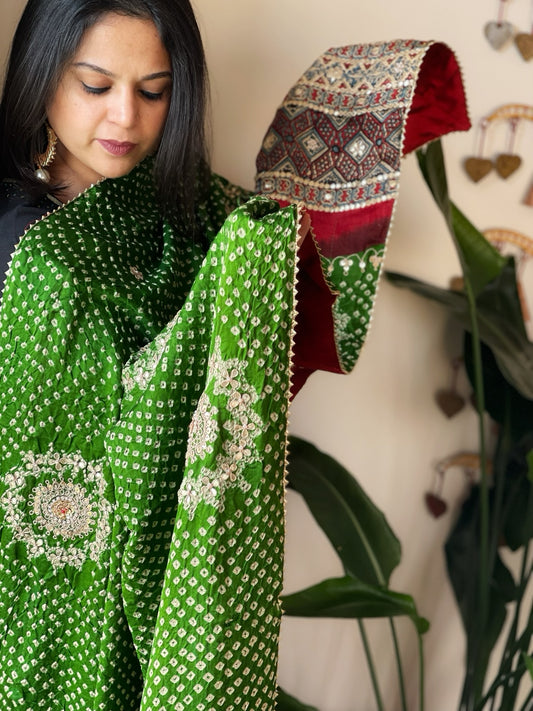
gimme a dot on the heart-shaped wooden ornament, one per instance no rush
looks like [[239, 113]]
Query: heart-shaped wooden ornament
[[436, 506], [507, 164], [449, 402], [457, 283], [477, 168], [524, 42], [499, 34]]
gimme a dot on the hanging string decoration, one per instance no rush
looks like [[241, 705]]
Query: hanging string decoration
[[524, 40], [508, 162], [499, 33], [520, 247], [449, 400], [478, 167], [468, 463]]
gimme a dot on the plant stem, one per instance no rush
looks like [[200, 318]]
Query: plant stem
[[499, 473], [501, 681], [472, 689], [398, 664], [512, 645], [421, 672], [527, 706], [371, 668], [499, 470]]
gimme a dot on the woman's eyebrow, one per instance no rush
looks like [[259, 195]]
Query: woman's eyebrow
[[105, 72]]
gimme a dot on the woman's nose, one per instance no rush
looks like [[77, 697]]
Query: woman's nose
[[123, 108]]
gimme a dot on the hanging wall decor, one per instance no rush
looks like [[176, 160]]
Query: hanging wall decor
[[507, 162], [449, 400], [468, 463], [478, 167], [499, 33], [516, 245], [524, 40]]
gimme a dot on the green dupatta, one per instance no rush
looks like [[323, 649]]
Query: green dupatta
[[111, 591]]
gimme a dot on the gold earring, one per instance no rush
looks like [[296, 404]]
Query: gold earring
[[45, 159]]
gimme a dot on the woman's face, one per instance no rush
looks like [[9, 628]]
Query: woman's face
[[112, 102]]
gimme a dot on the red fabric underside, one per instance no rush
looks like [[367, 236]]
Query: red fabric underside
[[314, 345], [352, 231], [439, 103]]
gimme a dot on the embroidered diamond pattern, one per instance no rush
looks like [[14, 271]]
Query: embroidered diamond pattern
[[339, 130]]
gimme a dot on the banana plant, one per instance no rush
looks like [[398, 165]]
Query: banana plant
[[499, 509], [368, 550]]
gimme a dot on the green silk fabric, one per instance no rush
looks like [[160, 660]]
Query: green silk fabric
[[145, 390]]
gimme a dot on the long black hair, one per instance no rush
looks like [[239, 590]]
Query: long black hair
[[46, 39]]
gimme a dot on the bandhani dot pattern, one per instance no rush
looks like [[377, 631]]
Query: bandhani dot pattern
[[134, 361]]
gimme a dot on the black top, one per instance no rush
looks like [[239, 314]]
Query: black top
[[17, 213]]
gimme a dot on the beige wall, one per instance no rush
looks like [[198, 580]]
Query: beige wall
[[10, 11], [381, 421]]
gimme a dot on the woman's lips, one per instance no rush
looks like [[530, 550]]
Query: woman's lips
[[116, 148]]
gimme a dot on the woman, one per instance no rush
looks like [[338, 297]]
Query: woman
[[36, 68], [146, 378]]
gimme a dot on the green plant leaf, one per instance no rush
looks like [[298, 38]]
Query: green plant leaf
[[491, 277], [455, 301], [529, 459], [350, 598], [528, 662], [462, 556], [286, 702], [500, 322], [501, 399], [480, 261], [463, 562], [517, 523], [433, 169], [502, 328], [357, 529]]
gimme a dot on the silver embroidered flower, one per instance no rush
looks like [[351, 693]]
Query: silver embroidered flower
[[58, 507], [237, 441], [203, 430]]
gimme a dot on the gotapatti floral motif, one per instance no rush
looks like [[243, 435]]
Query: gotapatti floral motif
[[54, 503], [229, 385]]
